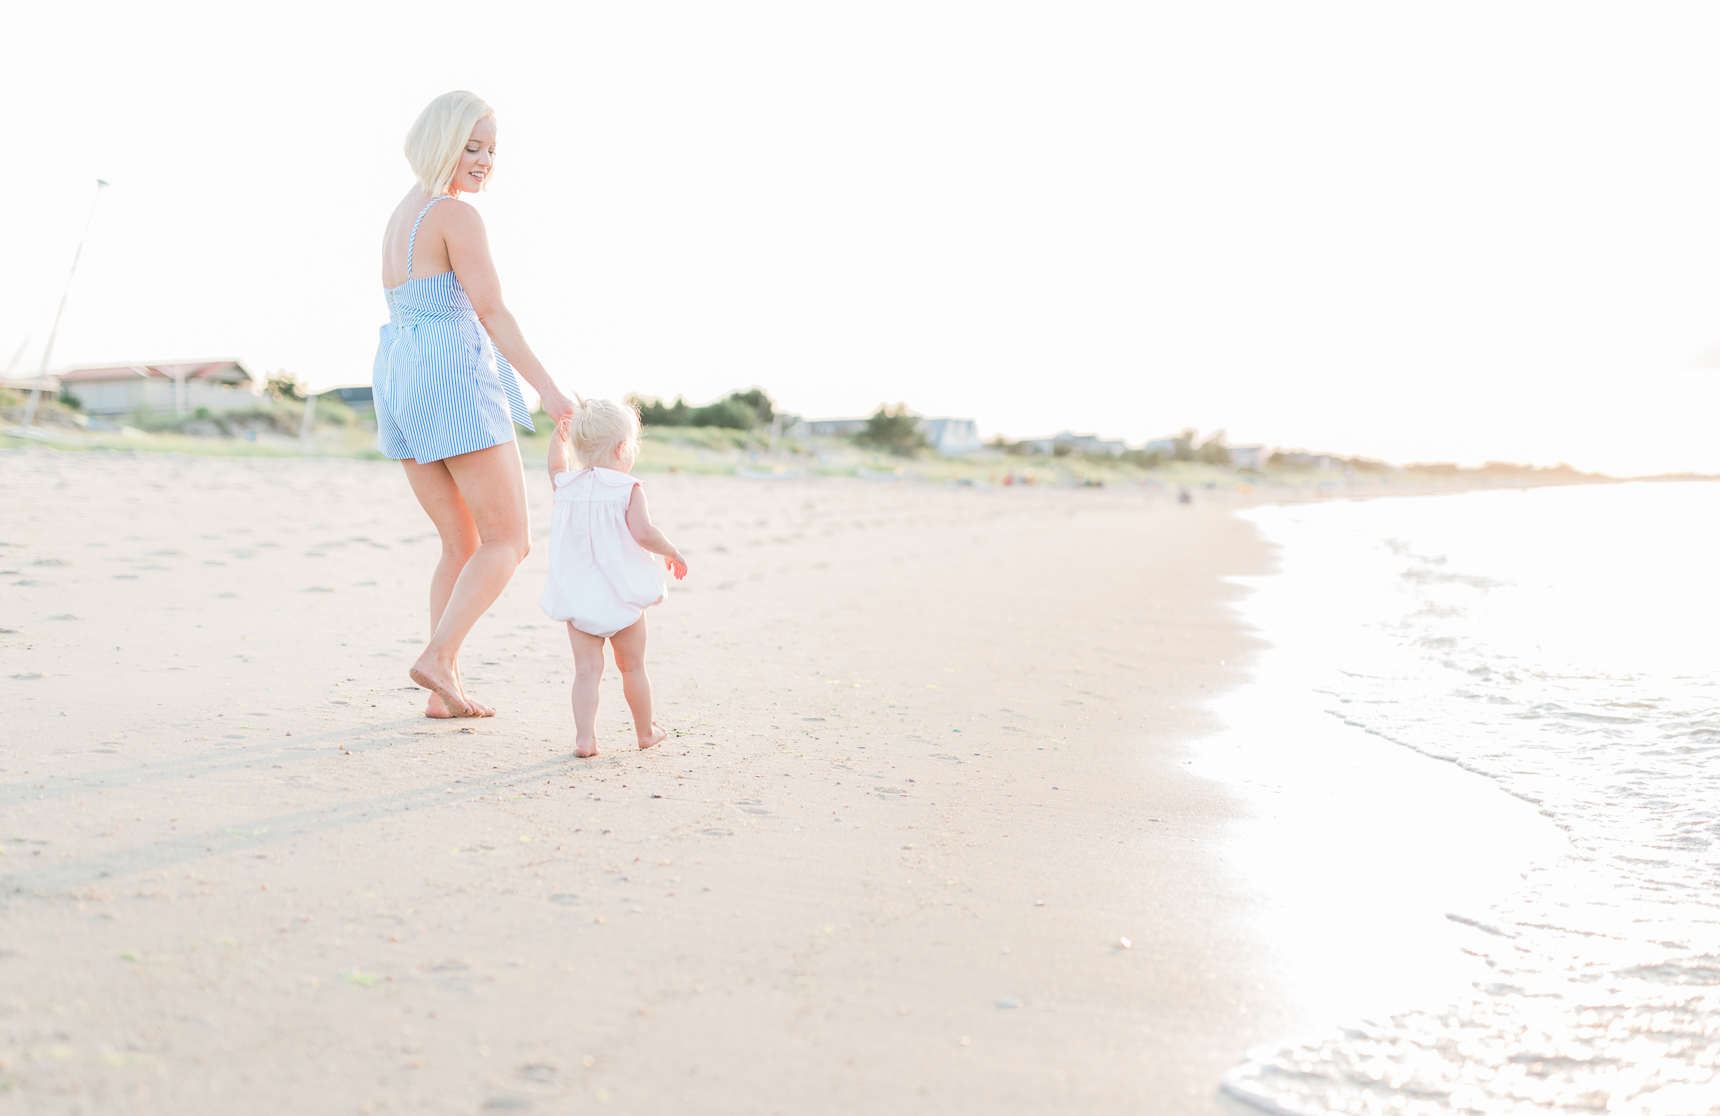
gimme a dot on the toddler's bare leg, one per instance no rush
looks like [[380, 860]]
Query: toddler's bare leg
[[587, 675], [629, 645]]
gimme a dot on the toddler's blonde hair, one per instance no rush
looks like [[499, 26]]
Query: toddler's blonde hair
[[434, 144], [598, 426]]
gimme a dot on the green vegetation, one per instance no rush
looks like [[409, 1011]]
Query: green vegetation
[[1213, 451], [1497, 469], [1298, 462], [283, 385], [349, 443], [268, 428], [284, 418], [896, 432], [739, 410], [1141, 459], [737, 434]]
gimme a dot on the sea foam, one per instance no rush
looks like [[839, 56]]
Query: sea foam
[[1560, 644]]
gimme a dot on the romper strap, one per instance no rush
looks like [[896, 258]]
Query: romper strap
[[413, 243]]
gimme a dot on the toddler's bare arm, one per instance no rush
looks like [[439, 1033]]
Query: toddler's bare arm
[[645, 533], [560, 452]]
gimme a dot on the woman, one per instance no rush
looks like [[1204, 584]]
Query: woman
[[446, 395]]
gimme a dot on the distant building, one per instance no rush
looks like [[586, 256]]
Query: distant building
[[952, 435], [180, 389], [827, 428], [943, 435], [358, 398], [1089, 444], [48, 385], [1248, 457], [1164, 447], [1298, 459]]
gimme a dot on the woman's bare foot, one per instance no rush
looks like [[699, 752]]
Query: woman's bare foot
[[657, 735], [442, 684], [438, 708], [584, 751], [435, 707]]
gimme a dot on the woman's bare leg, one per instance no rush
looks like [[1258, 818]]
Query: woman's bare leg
[[629, 647], [587, 681], [441, 500], [482, 495]]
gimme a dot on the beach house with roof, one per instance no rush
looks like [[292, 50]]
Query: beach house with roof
[[826, 428], [943, 435], [1248, 457], [1090, 444], [178, 389], [358, 398], [952, 435]]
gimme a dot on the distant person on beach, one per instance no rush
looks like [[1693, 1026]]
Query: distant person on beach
[[446, 395], [601, 578]]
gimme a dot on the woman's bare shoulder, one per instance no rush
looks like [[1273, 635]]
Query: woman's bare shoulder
[[455, 217]]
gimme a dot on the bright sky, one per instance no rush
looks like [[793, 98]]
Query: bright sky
[[1420, 232]]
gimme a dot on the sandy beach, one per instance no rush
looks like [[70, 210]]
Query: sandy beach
[[930, 770]]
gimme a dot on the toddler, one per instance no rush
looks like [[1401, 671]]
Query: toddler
[[601, 580]]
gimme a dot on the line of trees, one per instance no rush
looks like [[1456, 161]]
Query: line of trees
[[893, 431], [739, 410], [1184, 447], [897, 430]]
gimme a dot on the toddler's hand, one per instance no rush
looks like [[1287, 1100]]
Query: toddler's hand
[[677, 565]]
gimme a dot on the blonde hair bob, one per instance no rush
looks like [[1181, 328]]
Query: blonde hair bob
[[434, 144], [598, 426]]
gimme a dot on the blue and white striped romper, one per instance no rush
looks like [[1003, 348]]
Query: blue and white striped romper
[[440, 386]]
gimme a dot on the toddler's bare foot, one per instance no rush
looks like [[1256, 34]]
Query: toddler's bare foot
[[657, 735], [585, 749], [442, 684]]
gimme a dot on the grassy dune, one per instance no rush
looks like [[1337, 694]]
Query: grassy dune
[[271, 431]]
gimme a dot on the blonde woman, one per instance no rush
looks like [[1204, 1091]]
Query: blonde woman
[[447, 397]]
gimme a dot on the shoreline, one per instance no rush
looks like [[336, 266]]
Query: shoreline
[[825, 894], [1372, 859]]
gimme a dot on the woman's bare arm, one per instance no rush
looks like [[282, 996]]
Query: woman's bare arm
[[468, 249]]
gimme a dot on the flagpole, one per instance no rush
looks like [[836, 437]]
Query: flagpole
[[48, 350]]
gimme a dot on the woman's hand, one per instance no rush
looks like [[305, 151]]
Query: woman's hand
[[556, 405], [677, 564]]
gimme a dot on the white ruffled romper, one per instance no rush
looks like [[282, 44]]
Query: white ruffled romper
[[599, 576]]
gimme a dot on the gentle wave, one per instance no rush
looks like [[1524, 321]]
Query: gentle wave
[[1561, 643]]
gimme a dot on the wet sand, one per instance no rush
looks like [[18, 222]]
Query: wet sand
[[931, 767]]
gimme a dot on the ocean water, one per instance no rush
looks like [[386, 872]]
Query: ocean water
[[1553, 654]]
